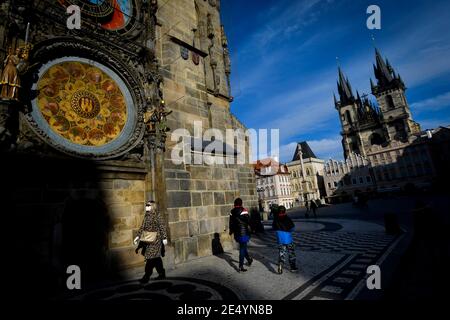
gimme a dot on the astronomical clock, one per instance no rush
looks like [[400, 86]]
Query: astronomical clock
[[90, 88], [114, 15]]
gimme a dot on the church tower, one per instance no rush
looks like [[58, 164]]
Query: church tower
[[347, 107], [390, 94]]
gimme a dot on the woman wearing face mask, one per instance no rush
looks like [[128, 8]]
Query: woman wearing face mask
[[152, 237]]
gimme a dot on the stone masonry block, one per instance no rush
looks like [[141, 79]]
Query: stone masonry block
[[196, 199], [178, 199], [178, 230]]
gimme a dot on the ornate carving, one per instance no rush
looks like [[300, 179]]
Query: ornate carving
[[49, 50], [210, 27]]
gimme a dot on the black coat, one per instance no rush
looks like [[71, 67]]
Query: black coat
[[283, 223], [239, 222]]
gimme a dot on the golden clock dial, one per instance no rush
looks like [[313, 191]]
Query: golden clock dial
[[81, 103]]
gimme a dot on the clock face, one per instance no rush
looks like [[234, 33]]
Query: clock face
[[113, 15], [83, 106], [123, 12], [100, 9]]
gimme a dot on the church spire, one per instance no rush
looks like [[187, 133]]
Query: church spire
[[344, 89], [385, 75], [382, 72]]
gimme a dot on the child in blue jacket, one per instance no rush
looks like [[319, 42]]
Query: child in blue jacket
[[284, 228]]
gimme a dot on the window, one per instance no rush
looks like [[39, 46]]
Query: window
[[329, 185], [390, 102], [361, 180], [376, 139], [353, 181], [368, 179], [348, 116], [335, 184]]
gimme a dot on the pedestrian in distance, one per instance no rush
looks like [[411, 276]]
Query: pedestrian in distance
[[284, 227], [239, 227], [314, 208], [151, 239], [308, 209]]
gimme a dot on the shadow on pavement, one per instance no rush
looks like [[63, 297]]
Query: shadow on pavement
[[229, 259]]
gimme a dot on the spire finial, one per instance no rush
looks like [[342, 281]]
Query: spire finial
[[338, 62]]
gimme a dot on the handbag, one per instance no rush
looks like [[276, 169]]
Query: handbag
[[148, 236]]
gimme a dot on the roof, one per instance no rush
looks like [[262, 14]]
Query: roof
[[305, 151], [214, 147], [277, 168]]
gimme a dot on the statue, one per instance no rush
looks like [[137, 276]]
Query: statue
[[10, 80], [157, 118]]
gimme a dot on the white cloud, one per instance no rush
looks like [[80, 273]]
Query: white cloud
[[324, 149], [434, 123], [327, 148], [287, 151], [432, 104]]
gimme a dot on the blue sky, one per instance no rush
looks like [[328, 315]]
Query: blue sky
[[284, 62]]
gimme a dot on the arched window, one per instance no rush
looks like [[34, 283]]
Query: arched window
[[376, 139], [348, 117], [390, 102]]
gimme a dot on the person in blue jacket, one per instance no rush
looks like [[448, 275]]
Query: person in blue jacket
[[284, 227]]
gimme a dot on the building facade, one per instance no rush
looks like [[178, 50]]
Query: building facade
[[344, 179], [395, 152], [95, 113], [273, 184], [365, 125], [307, 173]]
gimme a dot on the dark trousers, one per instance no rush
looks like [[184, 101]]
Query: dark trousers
[[287, 251], [243, 253], [152, 263]]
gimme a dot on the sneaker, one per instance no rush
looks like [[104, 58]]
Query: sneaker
[[280, 269], [161, 276], [294, 269], [145, 279], [241, 269], [249, 262]]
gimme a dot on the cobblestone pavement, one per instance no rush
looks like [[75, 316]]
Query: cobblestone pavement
[[332, 254]]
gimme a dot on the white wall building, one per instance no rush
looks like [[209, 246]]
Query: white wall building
[[273, 183]]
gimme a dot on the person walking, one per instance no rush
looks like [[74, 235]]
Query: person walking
[[152, 237], [284, 227], [314, 207], [239, 227], [308, 209]]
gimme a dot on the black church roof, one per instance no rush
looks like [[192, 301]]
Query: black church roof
[[305, 150]]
